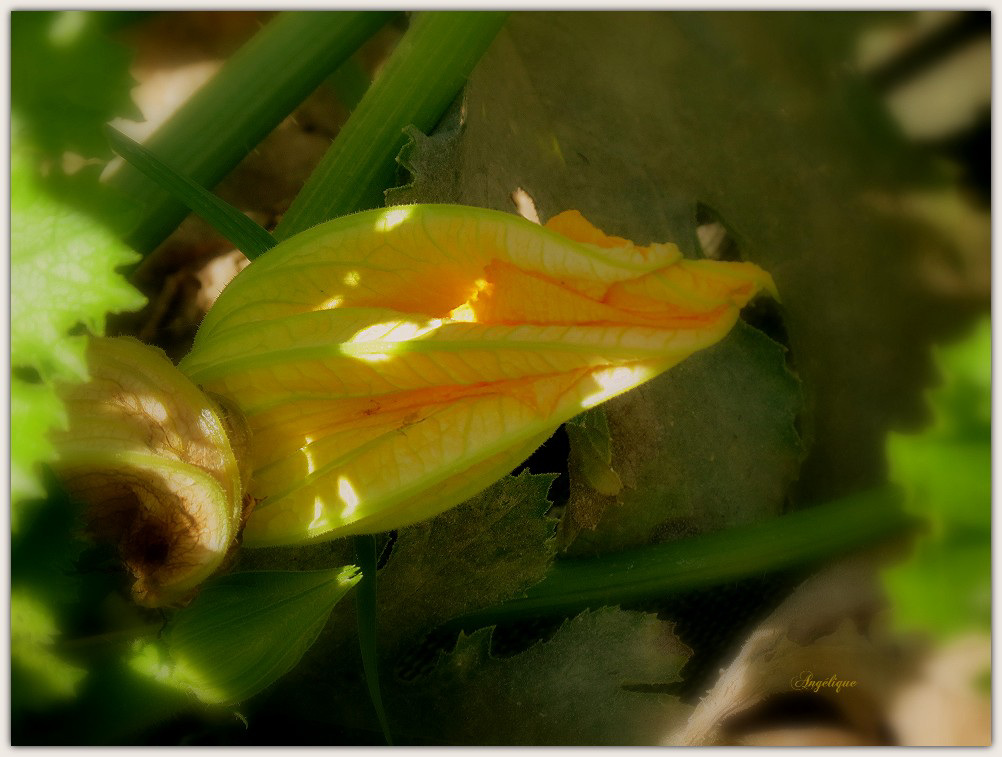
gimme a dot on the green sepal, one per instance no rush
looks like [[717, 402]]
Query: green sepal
[[246, 630]]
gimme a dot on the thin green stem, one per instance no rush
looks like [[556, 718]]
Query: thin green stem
[[258, 86], [365, 606], [425, 72], [802, 538], [349, 83], [248, 237]]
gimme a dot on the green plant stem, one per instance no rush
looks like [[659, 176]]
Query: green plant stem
[[365, 606], [259, 86], [650, 573], [349, 83], [248, 237], [425, 72]]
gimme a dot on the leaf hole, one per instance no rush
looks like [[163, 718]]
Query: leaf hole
[[718, 242], [552, 457]]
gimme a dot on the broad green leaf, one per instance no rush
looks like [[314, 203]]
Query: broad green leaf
[[762, 119], [62, 274], [945, 585], [395, 362], [595, 683], [246, 630], [710, 445]]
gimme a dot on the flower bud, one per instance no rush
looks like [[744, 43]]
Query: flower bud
[[149, 455]]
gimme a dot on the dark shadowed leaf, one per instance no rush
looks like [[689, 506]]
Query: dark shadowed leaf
[[709, 445], [487, 550], [594, 683]]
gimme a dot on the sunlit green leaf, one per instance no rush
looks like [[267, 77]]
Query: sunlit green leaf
[[62, 274], [38, 675]]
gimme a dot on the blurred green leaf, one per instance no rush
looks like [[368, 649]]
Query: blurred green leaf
[[38, 675], [68, 80], [44, 588], [62, 274], [246, 630], [597, 682], [945, 585], [34, 409], [125, 693]]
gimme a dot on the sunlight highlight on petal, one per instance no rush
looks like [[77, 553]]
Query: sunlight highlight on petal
[[381, 340], [348, 495], [392, 218], [319, 514], [331, 302], [617, 380]]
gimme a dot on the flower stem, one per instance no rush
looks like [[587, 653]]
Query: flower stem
[[365, 606], [222, 122], [426, 70], [648, 573]]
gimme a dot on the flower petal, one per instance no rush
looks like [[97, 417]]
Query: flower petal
[[392, 363]]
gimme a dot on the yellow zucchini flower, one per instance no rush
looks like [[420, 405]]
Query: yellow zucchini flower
[[392, 363]]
